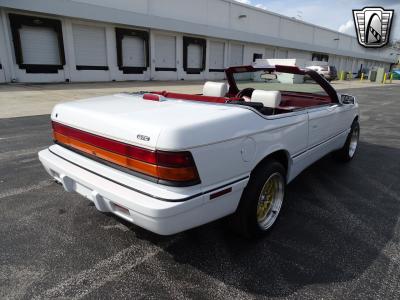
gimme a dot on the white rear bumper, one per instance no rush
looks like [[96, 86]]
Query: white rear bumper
[[143, 208]]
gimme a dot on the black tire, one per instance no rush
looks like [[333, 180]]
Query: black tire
[[244, 221], [345, 154]]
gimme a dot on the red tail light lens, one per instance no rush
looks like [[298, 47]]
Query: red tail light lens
[[167, 167], [174, 159]]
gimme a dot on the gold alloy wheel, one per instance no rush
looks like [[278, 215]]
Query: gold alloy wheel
[[270, 201]]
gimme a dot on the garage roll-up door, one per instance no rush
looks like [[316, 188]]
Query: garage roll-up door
[[165, 52], [39, 46], [217, 56], [236, 58], [38, 43], [194, 55], [90, 47], [133, 52]]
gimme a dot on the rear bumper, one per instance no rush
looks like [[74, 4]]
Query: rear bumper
[[143, 208]]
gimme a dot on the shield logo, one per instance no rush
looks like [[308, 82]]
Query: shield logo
[[373, 26]]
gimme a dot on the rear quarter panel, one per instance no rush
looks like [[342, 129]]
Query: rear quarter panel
[[236, 157]]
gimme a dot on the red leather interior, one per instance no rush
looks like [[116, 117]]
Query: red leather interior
[[289, 100], [299, 100]]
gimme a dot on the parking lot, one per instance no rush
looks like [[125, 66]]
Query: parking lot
[[338, 237]]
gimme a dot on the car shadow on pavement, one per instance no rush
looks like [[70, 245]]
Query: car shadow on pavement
[[336, 222]]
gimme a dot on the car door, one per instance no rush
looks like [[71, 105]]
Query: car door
[[323, 124]]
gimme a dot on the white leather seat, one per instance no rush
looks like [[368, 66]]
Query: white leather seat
[[215, 89], [270, 99]]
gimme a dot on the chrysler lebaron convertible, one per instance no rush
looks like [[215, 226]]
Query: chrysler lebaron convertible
[[169, 161]]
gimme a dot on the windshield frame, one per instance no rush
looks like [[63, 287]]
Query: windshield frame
[[325, 85]]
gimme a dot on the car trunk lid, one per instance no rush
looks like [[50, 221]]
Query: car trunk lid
[[130, 119]]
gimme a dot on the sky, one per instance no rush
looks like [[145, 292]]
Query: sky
[[333, 14]]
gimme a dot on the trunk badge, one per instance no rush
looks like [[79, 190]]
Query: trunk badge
[[143, 137]]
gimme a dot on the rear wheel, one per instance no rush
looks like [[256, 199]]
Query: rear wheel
[[261, 201], [349, 149]]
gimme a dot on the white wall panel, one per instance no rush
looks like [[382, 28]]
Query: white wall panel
[[340, 64], [218, 13], [269, 53], [325, 38], [128, 5], [39, 46], [356, 66], [296, 31], [255, 21], [345, 42], [236, 55], [188, 10], [216, 55], [133, 52], [281, 53], [165, 51], [349, 64], [90, 45], [306, 56]]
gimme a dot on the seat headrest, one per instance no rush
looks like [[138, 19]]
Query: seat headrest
[[268, 98], [215, 89]]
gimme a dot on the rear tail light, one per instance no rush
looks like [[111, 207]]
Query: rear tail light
[[177, 168]]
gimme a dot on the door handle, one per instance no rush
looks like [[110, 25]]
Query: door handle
[[330, 108]]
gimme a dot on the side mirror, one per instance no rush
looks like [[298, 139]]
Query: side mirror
[[347, 99]]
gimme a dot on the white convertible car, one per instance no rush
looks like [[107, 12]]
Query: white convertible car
[[169, 162]]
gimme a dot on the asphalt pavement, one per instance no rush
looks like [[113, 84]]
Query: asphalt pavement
[[338, 237]]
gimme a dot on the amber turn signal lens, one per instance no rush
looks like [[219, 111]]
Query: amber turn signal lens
[[166, 166]]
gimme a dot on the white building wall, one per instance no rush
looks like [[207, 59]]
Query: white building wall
[[295, 31], [219, 18], [325, 38], [344, 42], [238, 23], [251, 23], [281, 53], [250, 50], [129, 5], [303, 55], [269, 52]]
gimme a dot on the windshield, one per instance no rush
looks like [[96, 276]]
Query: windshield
[[277, 81]]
